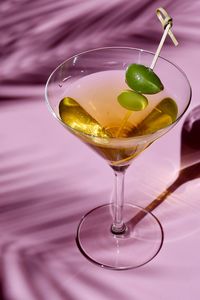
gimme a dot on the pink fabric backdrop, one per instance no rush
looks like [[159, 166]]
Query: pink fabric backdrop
[[49, 179]]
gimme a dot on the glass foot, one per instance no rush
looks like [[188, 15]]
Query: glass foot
[[140, 243]]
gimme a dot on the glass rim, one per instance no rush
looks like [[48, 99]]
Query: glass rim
[[118, 138]]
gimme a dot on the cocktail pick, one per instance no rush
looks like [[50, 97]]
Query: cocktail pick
[[167, 23], [139, 71]]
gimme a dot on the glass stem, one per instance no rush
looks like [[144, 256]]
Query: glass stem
[[118, 225]]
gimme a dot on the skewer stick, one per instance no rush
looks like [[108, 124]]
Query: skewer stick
[[166, 22]]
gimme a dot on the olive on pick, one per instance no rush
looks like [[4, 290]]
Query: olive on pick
[[132, 100], [143, 80]]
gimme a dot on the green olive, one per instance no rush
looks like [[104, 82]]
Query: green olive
[[75, 116], [67, 102], [143, 80], [132, 100], [169, 107], [164, 114]]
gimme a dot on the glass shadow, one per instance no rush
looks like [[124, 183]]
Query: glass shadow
[[189, 162]]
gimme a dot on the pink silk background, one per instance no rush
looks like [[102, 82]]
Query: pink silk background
[[48, 179]]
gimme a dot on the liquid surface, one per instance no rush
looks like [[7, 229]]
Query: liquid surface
[[91, 107]]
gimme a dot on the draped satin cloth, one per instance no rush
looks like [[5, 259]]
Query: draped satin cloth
[[49, 179]]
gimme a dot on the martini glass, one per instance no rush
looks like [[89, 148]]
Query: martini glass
[[82, 93]]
